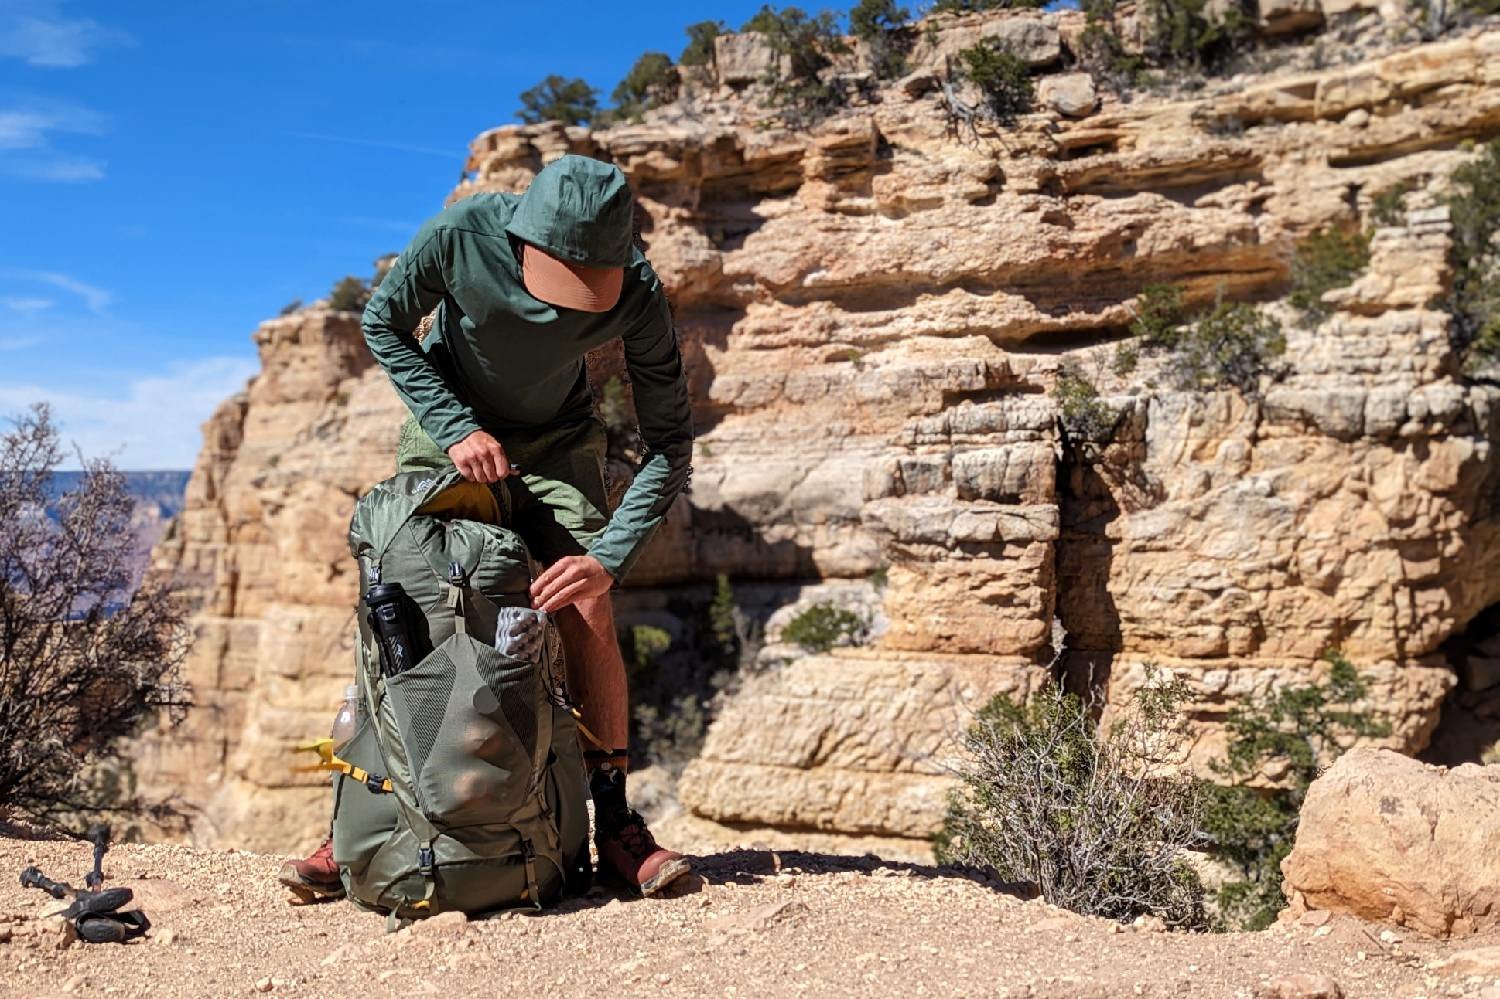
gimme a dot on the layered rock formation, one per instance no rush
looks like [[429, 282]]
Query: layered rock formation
[[873, 312], [260, 546]]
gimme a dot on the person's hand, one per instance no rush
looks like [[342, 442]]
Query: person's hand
[[480, 458], [569, 579]]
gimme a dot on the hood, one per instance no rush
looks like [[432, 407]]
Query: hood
[[578, 209]]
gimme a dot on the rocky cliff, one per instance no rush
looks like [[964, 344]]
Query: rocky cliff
[[874, 312]]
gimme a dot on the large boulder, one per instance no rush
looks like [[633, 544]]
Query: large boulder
[[1386, 837], [1071, 94]]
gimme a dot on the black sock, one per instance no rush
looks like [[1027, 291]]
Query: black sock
[[607, 788]]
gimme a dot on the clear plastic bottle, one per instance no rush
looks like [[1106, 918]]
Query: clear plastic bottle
[[346, 722]]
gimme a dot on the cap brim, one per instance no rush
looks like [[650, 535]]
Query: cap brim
[[570, 286]]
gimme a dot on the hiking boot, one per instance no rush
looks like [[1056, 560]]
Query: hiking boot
[[627, 848], [317, 875]]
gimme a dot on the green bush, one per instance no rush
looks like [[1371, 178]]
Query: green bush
[[651, 82], [724, 621], [1158, 315], [878, 23], [1101, 49], [1290, 734], [1003, 78], [700, 47], [1388, 208], [1085, 417], [1096, 821], [618, 415], [572, 102], [675, 687], [647, 643], [1328, 259], [295, 305], [1231, 345], [349, 294], [1179, 34], [805, 44], [1186, 33], [822, 626], [1474, 300]]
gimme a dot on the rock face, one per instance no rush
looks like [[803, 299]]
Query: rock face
[[261, 547], [1385, 837], [873, 312]]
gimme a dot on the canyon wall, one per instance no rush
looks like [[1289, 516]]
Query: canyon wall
[[873, 313]]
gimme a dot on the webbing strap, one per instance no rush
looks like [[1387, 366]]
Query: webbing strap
[[590, 736], [456, 604], [533, 889]]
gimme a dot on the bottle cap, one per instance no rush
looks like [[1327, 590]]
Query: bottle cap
[[351, 692]]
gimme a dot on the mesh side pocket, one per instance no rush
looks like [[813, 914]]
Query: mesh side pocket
[[517, 686], [420, 696]]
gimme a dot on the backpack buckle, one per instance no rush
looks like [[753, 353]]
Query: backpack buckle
[[426, 861], [374, 783]]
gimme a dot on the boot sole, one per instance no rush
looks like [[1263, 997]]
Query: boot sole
[[667, 876], [308, 890]]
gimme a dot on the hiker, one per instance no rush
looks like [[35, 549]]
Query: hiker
[[524, 287]]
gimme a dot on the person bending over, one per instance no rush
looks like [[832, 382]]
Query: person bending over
[[524, 286]]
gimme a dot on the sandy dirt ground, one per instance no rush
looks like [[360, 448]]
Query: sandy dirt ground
[[755, 922]]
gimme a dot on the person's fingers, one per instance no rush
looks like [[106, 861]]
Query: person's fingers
[[502, 463], [565, 596], [486, 465], [547, 576], [548, 589]]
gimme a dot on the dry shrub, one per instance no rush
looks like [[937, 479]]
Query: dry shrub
[[84, 659], [1095, 820]]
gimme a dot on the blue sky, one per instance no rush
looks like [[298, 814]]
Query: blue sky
[[171, 173]]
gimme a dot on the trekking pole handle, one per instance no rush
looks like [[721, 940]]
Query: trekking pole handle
[[33, 878]]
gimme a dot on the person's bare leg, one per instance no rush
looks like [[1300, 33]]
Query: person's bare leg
[[596, 672]]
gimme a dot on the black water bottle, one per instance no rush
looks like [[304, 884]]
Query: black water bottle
[[390, 617]]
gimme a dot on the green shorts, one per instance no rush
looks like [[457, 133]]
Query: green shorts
[[559, 501]]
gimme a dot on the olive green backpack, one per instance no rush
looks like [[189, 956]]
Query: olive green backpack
[[464, 785]]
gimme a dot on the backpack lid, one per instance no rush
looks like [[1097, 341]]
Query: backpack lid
[[382, 512]]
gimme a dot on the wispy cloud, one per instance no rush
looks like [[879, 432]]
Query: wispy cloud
[[94, 298], [30, 124], [26, 305], [38, 33], [400, 147], [148, 421], [19, 342], [27, 129], [58, 170]]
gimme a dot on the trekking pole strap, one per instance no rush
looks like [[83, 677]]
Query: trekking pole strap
[[374, 783]]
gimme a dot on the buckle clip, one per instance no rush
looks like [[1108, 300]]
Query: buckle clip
[[374, 783], [426, 861]]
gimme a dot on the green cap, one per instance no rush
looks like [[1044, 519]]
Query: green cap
[[578, 209]]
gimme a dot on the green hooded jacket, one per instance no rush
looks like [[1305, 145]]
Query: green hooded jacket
[[499, 359]]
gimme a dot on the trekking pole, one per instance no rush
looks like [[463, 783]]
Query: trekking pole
[[33, 878], [98, 835]]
